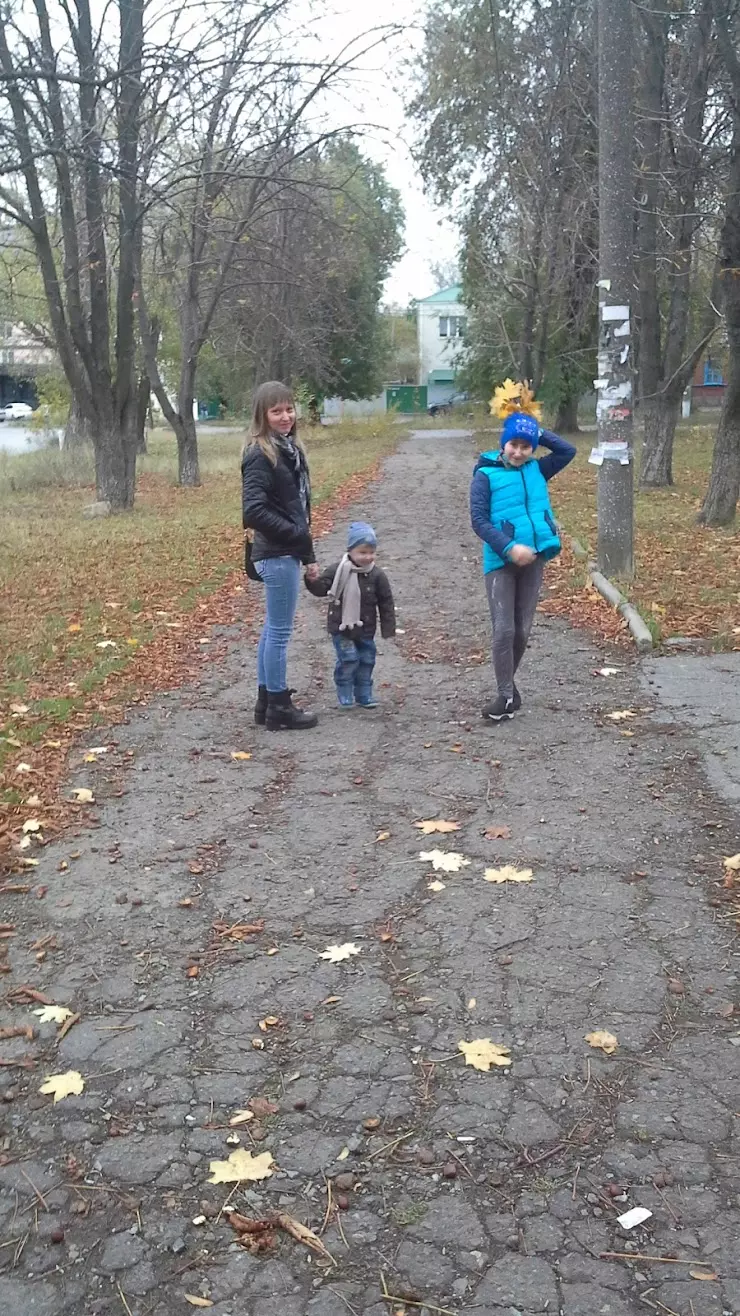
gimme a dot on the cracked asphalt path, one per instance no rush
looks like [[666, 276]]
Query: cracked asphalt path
[[471, 1192]]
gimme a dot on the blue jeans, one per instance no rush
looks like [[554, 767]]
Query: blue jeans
[[282, 578], [353, 670]]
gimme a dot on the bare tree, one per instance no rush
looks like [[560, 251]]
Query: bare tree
[[62, 158], [251, 122]]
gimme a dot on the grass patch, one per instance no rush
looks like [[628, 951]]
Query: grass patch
[[81, 601], [687, 578]]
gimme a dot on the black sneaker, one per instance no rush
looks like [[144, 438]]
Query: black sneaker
[[517, 700], [498, 710]]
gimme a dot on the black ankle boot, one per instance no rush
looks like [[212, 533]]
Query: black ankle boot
[[282, 714], [260, 708]]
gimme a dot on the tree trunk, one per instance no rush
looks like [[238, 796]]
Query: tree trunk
[[114, 476], [720, 503], [566, 420], [188, 465], [143, 395], [78, 429], [660, 417]]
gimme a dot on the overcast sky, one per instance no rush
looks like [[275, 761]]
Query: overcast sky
[[377, 97]]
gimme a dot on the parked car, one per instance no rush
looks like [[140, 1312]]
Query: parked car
[[16, 411], [440, 408]]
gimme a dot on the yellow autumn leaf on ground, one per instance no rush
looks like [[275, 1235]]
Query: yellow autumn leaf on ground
[[621, 714], [195, 1301], [241, 1165], [32, 825], [436, 886], [732, 863], [437, 825], [74, 628], [508, 874], [335, 954], [53, 1014], [240, 755], [241, 1117], [444, 862], [602, 1041], [24, 767], [83, 795], [60, 1086], [482, 1053], [19, 709]]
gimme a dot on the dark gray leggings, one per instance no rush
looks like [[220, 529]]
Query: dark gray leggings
[[512, 598]]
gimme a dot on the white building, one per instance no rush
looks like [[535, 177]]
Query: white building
[[441, 322]]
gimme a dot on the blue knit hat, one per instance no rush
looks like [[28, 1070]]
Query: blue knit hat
[[361, 532], [520, 426]]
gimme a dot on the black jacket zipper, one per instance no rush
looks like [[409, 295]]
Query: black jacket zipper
[[526, 508]]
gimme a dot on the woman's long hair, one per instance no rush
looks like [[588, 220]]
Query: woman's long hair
[[266, 396]]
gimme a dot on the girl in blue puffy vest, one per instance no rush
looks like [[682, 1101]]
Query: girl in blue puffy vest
[[510, 511]]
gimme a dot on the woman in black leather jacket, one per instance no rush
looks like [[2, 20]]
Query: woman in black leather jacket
[[276, 507]]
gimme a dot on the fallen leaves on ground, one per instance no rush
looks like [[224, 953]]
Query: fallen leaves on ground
[[682, 578], [262, 1106], [732, 863], [335, 954], [508, 874], [240, 755], [432, 825], [241, 1117], [601, 1040], [500, 833], [70, 1084], [444, 862], [17, 1030], [238, 931], [621, 715], [195, 1301], [704, 1274], [83, 796], [241, 1166], [53, 1014], [251, 1230], [608, 671], [436, 886], [482, 1053]]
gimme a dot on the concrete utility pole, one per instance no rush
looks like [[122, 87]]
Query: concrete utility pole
[[613, 454]]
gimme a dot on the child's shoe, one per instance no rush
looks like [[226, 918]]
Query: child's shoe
[[369, 702], [344, 700], [498, 710]]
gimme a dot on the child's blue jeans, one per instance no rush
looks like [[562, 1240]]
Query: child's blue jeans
[[353, 670], [281, 577]]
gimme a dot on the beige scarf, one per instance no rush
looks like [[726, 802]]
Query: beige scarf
[[345, 589]]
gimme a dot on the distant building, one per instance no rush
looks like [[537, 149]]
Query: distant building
[[708, 383], [22, 358], [442, 323]]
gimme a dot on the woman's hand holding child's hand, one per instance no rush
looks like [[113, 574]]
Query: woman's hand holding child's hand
[[520, 555], [313, 571]]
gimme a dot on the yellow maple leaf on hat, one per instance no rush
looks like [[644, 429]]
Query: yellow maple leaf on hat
[[513, 396]]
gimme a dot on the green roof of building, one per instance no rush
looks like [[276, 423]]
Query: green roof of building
[[451, 294], [441, 377]]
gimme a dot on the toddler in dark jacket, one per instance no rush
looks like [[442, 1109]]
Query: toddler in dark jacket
[[359, 592]]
